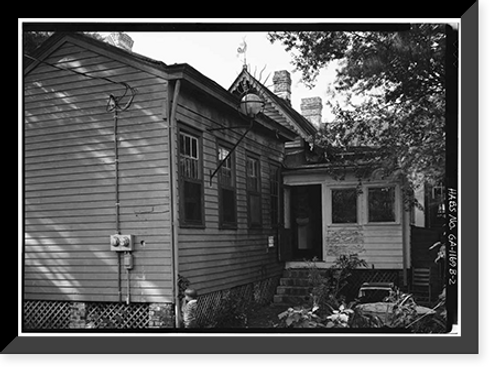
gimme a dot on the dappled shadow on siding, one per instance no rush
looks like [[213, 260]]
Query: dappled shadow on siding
[[69, 208]]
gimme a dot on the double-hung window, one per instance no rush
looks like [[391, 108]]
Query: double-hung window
[[227, 187], [253, 192], [191, 180], [274, 182]]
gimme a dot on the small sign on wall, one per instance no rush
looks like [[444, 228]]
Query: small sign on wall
[[270, 241]]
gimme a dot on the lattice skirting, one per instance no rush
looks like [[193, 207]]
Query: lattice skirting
[[213, 307], [40, 314], [64, 315]]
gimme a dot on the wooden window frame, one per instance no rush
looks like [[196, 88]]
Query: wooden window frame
[[254, 191], [221, 186], [183, 221]]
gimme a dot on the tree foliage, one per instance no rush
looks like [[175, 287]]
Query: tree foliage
[[388, 93], [33, 39]]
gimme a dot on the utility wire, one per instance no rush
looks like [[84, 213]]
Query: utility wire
[[113, 103], [86, 75], [227, 128]]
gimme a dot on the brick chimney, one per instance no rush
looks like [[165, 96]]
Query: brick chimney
[[311, 109], [283, 85], [120, 39]]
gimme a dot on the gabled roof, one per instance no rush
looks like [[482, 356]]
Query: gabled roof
[[169, 72], [275, 107]]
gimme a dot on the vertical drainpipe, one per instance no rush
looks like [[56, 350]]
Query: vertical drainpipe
[[170, 114]]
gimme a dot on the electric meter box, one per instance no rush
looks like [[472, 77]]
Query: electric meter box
[[121, 243]]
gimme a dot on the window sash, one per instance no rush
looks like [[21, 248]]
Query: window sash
[[381, 204], [226, 172], [227, 207], [274, 181], [192, 206], [227, 188], [344, 206], [253, 175], [190, 180], [189, 162], [254, 205]]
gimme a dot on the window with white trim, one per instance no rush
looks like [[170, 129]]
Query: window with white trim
[[191, 180]]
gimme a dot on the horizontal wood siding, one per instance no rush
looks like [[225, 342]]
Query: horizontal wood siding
[[69, 190], [216, 259], [381, 246], [384, 246]]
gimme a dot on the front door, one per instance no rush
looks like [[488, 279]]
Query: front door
[[306, 224]]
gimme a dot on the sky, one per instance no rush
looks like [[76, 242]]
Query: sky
[[215, 55]]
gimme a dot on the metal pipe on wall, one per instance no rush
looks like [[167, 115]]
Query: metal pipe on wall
[[114, 106], [117, 202], [172, 137]]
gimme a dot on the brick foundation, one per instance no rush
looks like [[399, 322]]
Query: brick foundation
[[161, 315]]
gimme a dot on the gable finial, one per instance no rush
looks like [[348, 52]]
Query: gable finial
[[242, 50]]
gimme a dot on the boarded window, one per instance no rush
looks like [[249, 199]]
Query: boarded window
[[253, 192], [344, 206], [227, 187], [191, 181], [381, 204]]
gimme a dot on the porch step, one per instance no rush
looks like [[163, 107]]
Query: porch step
[[294, 288]]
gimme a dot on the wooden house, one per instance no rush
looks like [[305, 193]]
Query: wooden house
[[324, 217], [138, 177]]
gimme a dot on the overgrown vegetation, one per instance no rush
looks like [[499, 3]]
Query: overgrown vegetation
[[328, 289], [328, 307], [388, 94]]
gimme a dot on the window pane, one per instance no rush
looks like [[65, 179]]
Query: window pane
[[381, 204], [344, 206], [187, 148], [274, 191], [228, 210], [192, 202], [226, 171], [182, 144], [189, 163], [194, 148], [254, 207]]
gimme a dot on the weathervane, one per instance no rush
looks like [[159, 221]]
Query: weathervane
[[242, 50]]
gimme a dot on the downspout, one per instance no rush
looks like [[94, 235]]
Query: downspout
[[174, 215]]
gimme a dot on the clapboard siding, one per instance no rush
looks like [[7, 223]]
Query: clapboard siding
[[216, 259], [70, 182], [381, 245]]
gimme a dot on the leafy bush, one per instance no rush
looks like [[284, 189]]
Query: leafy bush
[[232, 313], [329, 310], [308, 318], [327, 287]]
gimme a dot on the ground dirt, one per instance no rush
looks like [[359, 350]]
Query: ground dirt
[[265, 316]]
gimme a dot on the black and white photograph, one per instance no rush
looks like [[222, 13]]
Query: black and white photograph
[[184, 179]]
